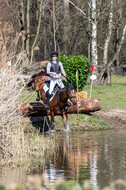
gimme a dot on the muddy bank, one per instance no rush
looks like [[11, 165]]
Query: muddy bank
[[116, 118]]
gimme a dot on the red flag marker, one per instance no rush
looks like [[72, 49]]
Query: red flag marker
[[6, 63], [92, 67]]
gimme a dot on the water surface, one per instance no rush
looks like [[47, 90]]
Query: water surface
[[99, 157]]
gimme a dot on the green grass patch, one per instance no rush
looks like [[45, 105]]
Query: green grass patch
[[111, 96], [82, 122]]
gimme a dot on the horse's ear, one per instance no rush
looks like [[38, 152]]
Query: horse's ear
[[74, 85]]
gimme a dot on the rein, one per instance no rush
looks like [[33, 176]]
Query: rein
[[68, 97]]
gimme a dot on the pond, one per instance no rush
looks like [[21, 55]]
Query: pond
[[99, 157]]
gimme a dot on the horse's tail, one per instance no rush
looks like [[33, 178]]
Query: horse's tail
[[38, 96]]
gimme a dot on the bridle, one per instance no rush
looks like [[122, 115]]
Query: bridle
[[71, 97], [68, 88]]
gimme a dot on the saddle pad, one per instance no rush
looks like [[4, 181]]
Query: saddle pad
[[45, 88]]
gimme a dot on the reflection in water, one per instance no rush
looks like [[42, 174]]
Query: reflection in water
[[93, 169], [97, 156], [75, 158]]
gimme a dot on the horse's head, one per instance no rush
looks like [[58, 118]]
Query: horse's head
[[71, 93], [39, 81]]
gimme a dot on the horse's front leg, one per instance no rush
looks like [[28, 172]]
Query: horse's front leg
[[65, 121], [38, 97], [52, 121]]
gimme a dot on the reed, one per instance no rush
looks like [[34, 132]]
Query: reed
[[16, 146]]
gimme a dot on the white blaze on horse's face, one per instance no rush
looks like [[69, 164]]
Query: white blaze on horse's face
[[72, 96]]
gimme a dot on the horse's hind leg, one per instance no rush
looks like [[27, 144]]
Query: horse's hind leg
[[65, 121]]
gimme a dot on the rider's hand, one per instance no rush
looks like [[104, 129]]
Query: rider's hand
[[64, 75], [54, 73]]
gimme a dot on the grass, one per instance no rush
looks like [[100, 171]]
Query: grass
[[111, 96], [82, 122]]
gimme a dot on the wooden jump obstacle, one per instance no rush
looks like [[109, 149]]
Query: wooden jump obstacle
[[86, 105]]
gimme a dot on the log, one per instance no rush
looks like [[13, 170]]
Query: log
[[38, 109]]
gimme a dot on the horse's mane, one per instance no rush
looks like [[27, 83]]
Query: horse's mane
[[70, 86]]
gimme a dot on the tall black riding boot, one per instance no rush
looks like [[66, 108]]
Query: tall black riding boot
[[47, 106]]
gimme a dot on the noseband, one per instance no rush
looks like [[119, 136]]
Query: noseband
[[70, 97]]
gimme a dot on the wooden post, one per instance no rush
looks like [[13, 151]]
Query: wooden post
[[77, 91]]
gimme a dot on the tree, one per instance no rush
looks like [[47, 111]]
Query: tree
[[66, 25], [37, 31], [94, 54]]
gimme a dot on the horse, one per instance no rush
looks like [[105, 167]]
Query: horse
[[59, 103]]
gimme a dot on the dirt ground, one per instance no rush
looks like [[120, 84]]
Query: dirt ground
[[116, 118]]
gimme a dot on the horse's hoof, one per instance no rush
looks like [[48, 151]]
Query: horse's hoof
[[53, 128], [66, 127]]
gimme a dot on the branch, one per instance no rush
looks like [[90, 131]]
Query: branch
[[83, 13]]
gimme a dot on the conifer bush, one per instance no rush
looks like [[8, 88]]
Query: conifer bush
[[73, 63]]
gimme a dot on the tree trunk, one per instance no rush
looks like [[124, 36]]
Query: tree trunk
[[106, 69], [66, 25], [89, 37], [84, 106], [37, 33], [54, 25], [94, 53], [28, 26], [22, 24], [105, 56]]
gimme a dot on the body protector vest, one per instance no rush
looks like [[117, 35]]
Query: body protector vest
[[55, 67]]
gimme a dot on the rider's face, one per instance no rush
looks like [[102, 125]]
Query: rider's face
[[54, 58]]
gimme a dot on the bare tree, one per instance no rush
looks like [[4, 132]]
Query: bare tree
[[94, 53], [37, 32], [106, 47], [28, 27], [66, 25]]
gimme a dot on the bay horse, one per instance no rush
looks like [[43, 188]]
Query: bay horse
[[59, 103]]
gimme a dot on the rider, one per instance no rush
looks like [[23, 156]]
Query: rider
[[54, 70]]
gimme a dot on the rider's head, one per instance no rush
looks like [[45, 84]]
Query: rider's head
[[53, 54]]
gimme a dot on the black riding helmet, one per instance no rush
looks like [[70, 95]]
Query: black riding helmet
[[53, 54]]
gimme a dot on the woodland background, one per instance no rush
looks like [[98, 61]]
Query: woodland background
[[94, 28]]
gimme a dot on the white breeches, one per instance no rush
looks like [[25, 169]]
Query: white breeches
[[53, 82]]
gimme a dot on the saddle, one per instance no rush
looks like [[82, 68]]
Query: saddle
[[55, 90], [47, 86]]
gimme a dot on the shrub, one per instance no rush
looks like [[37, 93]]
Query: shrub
[[73, 63]]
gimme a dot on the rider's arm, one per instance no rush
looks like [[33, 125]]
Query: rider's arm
[[51, 74], [62, 69]]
